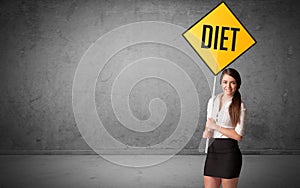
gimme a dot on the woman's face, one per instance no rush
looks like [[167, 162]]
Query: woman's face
[[229, 85]]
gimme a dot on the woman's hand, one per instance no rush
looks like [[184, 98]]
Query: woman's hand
[[207, 134], [211, 124]]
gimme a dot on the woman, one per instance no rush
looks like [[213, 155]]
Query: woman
[[226, 125]]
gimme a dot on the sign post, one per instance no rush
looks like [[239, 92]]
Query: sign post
[[219, 38]]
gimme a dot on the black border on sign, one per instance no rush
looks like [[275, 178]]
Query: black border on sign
[[239, 22]]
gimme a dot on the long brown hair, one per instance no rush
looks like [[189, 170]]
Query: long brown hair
[[235, 106]]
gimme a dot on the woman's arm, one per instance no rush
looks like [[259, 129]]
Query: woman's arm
[[207, 133], [230, 133]]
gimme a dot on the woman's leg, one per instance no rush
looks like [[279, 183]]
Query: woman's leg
[[212, 182], [230, 183]]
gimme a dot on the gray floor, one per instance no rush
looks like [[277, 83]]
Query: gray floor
[[180, 171]]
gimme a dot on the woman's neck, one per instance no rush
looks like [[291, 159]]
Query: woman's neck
[[226, 97]]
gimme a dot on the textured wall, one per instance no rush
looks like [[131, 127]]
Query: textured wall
[[42, 43]]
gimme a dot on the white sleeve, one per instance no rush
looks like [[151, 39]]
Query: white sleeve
[[240, 127], [209, 108]]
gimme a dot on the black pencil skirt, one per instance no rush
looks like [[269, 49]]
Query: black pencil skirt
[[224, 159]]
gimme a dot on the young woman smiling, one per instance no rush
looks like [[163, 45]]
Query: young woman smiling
[[226, 125]]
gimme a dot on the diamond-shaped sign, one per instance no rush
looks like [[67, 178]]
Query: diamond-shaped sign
[[219, 38]]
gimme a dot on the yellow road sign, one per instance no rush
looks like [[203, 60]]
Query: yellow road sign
[[219, 38]]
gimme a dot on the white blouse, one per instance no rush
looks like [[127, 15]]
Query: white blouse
[[222, 117]]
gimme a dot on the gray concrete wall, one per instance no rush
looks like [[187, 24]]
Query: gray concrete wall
[[42, 43]]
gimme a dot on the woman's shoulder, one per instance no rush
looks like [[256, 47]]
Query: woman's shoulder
[[217, 96], [243, 106], [214, 98]]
